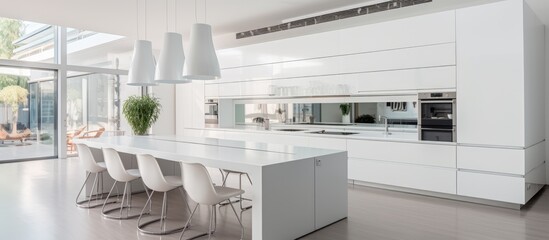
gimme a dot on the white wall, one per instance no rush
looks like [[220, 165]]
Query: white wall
[[165, 125]]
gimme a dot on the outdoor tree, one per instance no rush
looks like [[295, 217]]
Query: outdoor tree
[[14, 96], [10, 31]]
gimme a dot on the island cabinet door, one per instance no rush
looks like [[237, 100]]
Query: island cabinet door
[[330, 189]]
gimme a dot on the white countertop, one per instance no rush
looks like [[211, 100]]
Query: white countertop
[[208, 150], [396, 135]]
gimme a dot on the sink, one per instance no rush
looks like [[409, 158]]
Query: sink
[[334, 133], [289, 130]]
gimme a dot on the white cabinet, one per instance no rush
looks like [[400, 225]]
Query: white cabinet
[[211, 90], [493, 104], [408, 32], [403, 80], [386, 56], [504, 188], [396, 59], [435, 179], [428, 167], [232, 89], [496, 160], [410, 153], [256, 88], [489, 186], [249, 73], [330, 181]]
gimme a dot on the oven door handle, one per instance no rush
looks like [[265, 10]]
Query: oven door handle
[[437, 101], [440, 129]]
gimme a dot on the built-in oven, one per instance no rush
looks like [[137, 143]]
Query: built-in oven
[[211, 118], [437, 116]]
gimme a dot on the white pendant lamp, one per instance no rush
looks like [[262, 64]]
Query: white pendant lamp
[[171, 61], [202, 63], [172, 57], [141, 72]]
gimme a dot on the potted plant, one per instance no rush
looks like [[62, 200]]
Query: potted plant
[[345, 112], [13, 96], [141, 113]]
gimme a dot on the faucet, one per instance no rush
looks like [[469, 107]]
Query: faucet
[[385, 124]]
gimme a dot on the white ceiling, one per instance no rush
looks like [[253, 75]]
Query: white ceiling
[[119, 16], [226, 16]]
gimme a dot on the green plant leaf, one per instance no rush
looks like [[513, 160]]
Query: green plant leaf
[[141, 112]]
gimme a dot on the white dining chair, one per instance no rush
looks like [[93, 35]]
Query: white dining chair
[[91, 167], [225, 175], [154, 179], [119, 173], [200, 188]]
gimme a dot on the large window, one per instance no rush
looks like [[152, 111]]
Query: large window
[[93, 49], [27, 41], [32, 60], [93, 105], [28, 119]]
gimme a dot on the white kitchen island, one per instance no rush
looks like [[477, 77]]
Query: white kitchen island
[[297, 190]]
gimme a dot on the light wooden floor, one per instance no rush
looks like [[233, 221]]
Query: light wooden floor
[[37, 202]]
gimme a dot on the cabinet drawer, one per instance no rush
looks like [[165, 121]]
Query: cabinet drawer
[[490, 186], [491, 159], [426, 178], [413, 153]]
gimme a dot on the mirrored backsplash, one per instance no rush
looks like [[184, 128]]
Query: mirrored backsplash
[[398, 114]]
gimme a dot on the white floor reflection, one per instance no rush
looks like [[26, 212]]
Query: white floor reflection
[[13, 151]]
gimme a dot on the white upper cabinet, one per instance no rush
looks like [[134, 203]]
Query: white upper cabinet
[[402, 33], [490, 74], [397, 54]]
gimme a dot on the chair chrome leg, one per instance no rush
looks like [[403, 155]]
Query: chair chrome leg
[[240, 198], [148, 195], [222, 177], [86, 203], [187, 226], [163, 213], [93, 186], [121, 216], [242, 208], [185, 199], [240, 222], [82, 188], [164, 231], [214, 218], [143, 210]]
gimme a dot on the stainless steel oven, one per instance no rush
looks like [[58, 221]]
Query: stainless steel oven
[[437, 116], [211, 118]]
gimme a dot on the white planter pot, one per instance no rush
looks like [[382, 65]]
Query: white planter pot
[[346, 118]]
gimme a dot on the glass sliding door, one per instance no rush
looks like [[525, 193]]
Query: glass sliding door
[[93, 106], [28, 114]]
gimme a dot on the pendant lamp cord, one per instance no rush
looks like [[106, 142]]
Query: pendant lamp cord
[[167, 28], [175, 13], [205, 12], [145, 19], [195, 11], [137, 18]]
